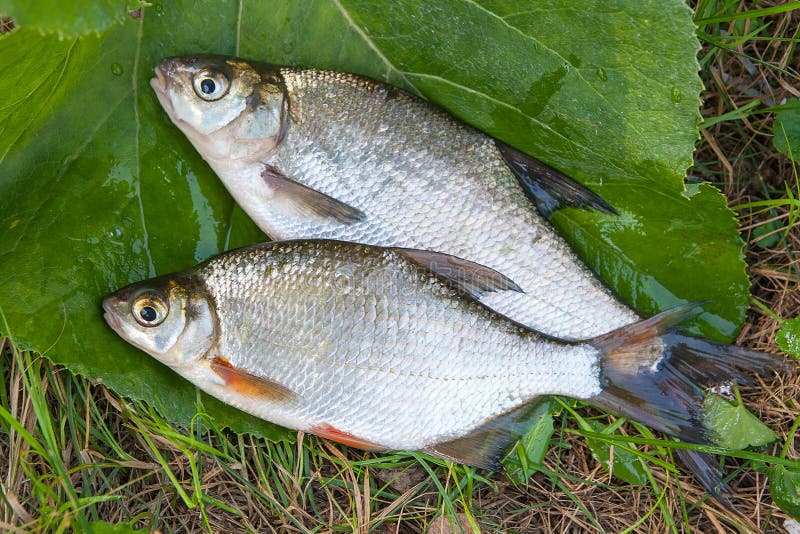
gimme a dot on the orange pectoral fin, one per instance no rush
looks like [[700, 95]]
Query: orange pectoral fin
[[334, 434], [248, 384]]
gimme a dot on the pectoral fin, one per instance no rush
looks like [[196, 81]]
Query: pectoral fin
[[466, 276], [248, 384], [486, 445], [548, 188], [307, 201]]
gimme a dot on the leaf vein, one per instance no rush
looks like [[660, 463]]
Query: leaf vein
[[573, 67], [33, 116], [371, 44], [137, 153], [516, 110]]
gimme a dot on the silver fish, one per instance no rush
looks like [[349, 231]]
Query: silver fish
[[387, 348], [310, 153]]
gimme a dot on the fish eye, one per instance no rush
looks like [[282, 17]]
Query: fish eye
[[211, 85], [150, 308]]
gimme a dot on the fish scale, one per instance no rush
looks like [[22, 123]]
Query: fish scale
[[421, 179], [310, 153], [560, 297], [445, 371], [387, 348]]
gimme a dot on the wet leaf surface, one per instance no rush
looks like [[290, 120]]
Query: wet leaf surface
[[621, 463], [529, 451], [98, 189]]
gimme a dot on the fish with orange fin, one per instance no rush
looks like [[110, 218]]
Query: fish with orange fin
[[319, 154], [389, 348]]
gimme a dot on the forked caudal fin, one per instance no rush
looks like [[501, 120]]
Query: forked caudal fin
[[654, 377]]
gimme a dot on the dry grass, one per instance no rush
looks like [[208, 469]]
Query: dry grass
[[120, 449]]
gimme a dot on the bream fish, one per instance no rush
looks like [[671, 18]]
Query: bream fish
[[311, 153], [387, 348]]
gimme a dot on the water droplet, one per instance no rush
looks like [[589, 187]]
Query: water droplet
[[675, 95], [116, 232], [601, 73], [116, 69]]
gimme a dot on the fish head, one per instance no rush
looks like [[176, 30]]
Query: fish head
[[231, 110], [172, 318]]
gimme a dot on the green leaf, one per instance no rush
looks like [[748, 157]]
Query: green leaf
[[786, 129], [625, 465], [69, 19], [788, 337], [529, 451], [770, 232], [784, 487], [98, 189], [734, 426]]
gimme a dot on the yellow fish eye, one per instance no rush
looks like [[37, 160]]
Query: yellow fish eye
[[211, 85], [150, 308]]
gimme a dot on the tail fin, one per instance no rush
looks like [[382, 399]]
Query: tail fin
[[707, 471], [653, 376]]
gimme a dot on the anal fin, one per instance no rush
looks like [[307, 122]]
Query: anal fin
[[307, 201], [334, 434], [486, 445], [248, 384], [466, 276], [548, 188]]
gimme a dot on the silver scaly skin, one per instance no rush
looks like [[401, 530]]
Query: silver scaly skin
[[427, 361], [413, 176], [365, 342], [387, 348], [309, 153]]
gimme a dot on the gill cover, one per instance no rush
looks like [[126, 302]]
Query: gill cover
[[170, 318], [228, 108]]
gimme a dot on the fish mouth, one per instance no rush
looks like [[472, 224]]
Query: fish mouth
[[160, 85], [110, 316]]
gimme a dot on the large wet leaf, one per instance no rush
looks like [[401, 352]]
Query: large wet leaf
[[98, 189]]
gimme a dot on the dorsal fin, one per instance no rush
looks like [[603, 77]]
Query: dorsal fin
[[486, 445], [548, 188], [465, 276], [309, 202]]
